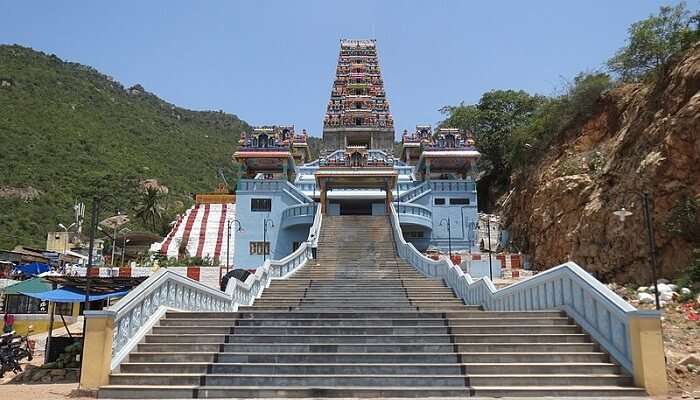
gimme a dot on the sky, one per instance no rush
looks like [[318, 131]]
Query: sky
[[273, 62]]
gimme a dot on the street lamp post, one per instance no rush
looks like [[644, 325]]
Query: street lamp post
[[623, 213], [449, 236], [488, 230], [65, 239], [272, 225], [228, 239], [124, 249]]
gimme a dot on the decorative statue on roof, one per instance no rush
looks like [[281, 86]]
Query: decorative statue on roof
[[452, 138]]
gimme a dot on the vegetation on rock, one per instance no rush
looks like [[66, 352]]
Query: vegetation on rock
[[561, 164]]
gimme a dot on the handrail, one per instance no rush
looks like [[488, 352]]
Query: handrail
[[568, 287], [274, 185], [315, 231], [299, 210], [414, 209], [414, 192], [136, 313], [296, 193], [449, 185]]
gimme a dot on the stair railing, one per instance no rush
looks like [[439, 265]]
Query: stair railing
[[414, 192], [611, 321], [115, 331]]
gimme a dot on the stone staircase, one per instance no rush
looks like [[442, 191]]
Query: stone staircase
[[360, 322]]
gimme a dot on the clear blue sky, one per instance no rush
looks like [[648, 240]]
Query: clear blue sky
[[274, 61]]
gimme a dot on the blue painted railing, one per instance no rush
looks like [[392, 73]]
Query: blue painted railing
[[415, 214], [273, 185], [413, 193], [298, 214], [568, 287], [447, 185]]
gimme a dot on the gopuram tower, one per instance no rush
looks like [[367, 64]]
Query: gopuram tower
[[358, 111]]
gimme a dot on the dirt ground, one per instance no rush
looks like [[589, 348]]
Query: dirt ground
[[52, 391], [681, 338]]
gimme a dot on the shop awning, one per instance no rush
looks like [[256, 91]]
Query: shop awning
[[65, 295], [34, 285], [32, 269]]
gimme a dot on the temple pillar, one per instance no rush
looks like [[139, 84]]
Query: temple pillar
[[323, 197], [389, 199], [427, 169], [284, 169]]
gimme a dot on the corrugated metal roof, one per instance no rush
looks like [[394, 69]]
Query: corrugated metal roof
[[34, 285]]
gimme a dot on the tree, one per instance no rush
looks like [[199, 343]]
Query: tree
[[493, 121], [149, 208], [654, 41]]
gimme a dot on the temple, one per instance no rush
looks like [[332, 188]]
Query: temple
[[431, 183]]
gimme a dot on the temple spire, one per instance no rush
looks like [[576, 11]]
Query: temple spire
[[358, 111]]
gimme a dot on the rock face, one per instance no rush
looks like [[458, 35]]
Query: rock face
[[642, 137]]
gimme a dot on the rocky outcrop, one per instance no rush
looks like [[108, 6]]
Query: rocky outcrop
[[642, 137]]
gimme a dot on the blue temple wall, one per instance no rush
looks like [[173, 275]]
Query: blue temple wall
[[281, 239]]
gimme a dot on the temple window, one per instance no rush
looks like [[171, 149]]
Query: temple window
[[450, 140], [439, 201], [358, 121], [259, 248], [459, 201], [263, 141], [261, 205]]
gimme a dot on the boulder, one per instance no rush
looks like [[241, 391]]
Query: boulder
[[645, 298], [690, 359], [685, 291], [58, 372], [45, 379], [668, 296], [642, 289], [663, 288]]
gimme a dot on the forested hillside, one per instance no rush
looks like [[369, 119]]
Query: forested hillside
[[68, 132]]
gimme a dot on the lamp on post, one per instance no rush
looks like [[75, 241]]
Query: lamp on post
[[65, 239], [469, 229], [228, 239], [265, 248], [488, 232], [449, 236], [96, 200], [622, 214]]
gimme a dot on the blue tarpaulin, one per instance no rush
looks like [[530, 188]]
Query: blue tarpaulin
[[32, 269], [65, 295]]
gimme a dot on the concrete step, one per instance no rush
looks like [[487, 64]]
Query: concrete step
[[289, 338], [557, 391], [403, 357], [287, 380], [174, 392], [367, 347], [487, 369], [340, 330]]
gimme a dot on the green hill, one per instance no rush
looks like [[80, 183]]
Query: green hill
[[68, 132]]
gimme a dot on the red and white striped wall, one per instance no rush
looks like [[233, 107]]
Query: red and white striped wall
[[203, 231], [210, 276]]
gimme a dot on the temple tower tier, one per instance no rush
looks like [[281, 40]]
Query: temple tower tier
[[358, 110]]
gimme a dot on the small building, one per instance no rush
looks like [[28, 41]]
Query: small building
[[31, 311]]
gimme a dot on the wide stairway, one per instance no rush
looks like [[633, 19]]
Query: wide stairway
[[360, 322]]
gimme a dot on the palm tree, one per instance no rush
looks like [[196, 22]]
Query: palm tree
[[149, 207]]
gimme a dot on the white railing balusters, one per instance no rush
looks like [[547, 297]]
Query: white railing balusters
[[599, 311]]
